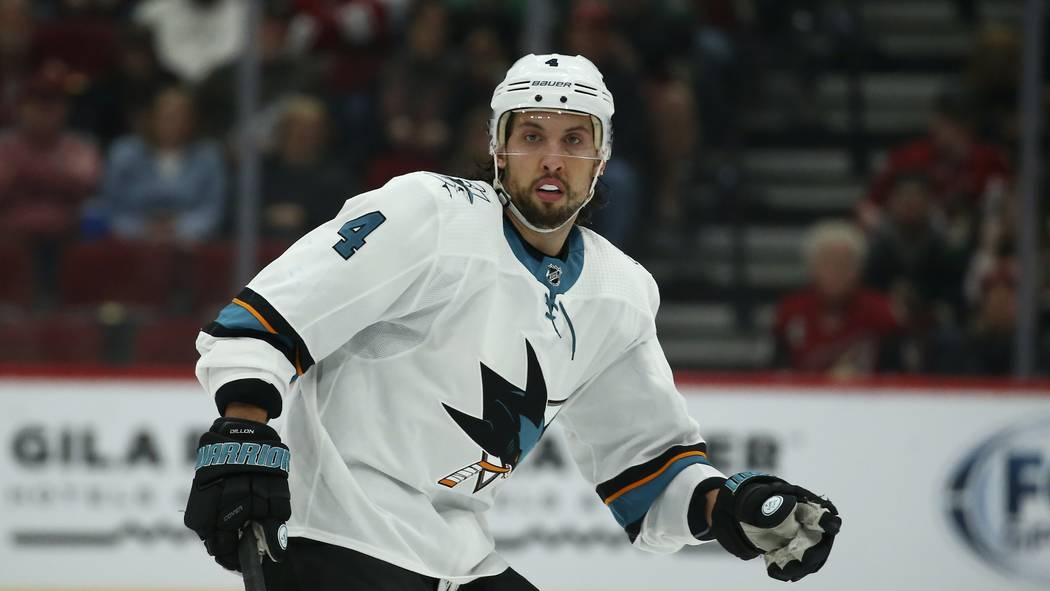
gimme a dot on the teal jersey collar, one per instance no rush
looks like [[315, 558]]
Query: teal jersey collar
[[558, 274]]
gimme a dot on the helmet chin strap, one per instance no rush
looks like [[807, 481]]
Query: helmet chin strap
[[505, 199]]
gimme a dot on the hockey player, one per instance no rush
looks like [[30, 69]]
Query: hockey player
[[419, 344]]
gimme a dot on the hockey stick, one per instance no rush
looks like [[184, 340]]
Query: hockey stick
[[251, 555]]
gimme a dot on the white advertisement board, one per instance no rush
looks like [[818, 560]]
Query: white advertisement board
[[938, 490]]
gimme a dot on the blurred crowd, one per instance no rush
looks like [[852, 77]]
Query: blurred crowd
[[118, 160], [925, 278]]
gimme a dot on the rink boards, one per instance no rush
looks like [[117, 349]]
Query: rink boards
[[940, 487]]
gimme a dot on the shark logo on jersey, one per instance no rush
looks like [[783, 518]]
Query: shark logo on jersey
[[512, 422], [456, 186], [554, 274]]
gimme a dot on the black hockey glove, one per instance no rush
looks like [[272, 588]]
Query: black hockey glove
[[791, 527], [242, 476]]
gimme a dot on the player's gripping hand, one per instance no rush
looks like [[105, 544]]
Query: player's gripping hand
[[791, 527], [242, 476]]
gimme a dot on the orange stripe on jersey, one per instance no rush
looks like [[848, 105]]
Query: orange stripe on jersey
[[635, 485], [493, 467], [257, 315]]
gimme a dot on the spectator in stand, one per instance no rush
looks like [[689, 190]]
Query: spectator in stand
[[719, 74], [193, 37], [962, 169], [910, 260], [674, 133], [165, 185], [349, 32], [354, 39], [46, 172], [989, 345], [993, 73], [16, 43], [998, 238], [470, 158], [836, 326], [302, 185], [909, 257], [282, 74], [659, 32], [593, 34], [82, 43], [485, 53], [417, 99], [118, 103], [506, 17], [985, 346]]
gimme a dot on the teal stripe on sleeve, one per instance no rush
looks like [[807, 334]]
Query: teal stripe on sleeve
[[234, 316], [634, 504]]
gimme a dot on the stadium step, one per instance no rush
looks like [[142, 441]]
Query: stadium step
[[737, 352]]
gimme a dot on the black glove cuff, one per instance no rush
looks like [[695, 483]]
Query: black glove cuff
[[250, 391], [697, 514]]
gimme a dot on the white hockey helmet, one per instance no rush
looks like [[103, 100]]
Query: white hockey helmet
[[557, 83], [551, 82]]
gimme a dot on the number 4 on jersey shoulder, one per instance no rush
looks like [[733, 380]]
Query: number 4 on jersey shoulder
[[355, 231]]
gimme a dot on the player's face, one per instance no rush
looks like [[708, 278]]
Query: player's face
[[548, 162]]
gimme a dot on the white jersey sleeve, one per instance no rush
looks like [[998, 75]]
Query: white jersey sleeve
[[632, 437], [368, 263]]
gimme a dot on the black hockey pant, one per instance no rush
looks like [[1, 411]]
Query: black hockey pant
[[316, 566]]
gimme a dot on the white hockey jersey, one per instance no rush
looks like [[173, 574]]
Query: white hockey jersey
[[422, 347]]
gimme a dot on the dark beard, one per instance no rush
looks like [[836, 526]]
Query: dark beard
[[539, 213]]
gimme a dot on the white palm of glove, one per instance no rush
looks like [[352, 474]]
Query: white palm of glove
[[799, 531]]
